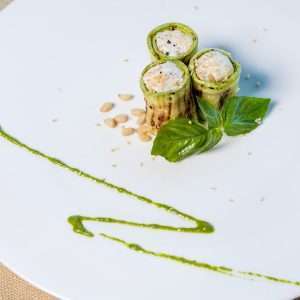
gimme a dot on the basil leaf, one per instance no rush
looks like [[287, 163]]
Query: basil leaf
[[211, 115], [179, 139], [214, 136], [243, 114]]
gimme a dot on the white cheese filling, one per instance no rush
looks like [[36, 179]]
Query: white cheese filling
[[173, 42], [164, 77], [214, 66]]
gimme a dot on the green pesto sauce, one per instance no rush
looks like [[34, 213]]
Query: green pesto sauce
[[198, 264], [200, 226]]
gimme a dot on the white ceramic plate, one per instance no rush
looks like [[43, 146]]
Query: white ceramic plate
[[59, 61]]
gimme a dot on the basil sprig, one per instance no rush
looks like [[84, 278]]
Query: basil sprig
[[243, 114], [182, 137], [211, 115]]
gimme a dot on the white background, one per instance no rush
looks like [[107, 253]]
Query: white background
[[61, 60]]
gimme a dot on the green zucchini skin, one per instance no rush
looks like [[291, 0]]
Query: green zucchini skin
[[157, 55], [164, 106], [216, 93]]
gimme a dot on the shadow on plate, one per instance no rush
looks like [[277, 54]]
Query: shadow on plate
[[253, 81]]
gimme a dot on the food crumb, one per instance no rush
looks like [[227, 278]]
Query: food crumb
[[98, 125], [106, 107], [115, 149], [265, 29], [114, 165], [254, 41], [125, 60], [231, 200], [262, 199], [213, 188], [153, 157], [129, 142], [54, 120], [196, 7], [141, 164], [126, 97], [249, 153], [109, 122]]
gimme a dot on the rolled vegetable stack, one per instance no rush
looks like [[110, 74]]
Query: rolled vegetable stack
[[172, 41], [215, 75], [166, 85]]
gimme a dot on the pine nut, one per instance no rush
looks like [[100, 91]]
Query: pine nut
[[141, 119], [137, 112], [122, 118], [144, 137], [144, 129], [106, 107], [109, 122], [125, 97], [127, 131]]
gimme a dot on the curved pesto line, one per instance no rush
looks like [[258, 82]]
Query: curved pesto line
[[198, 264], [200, 226]]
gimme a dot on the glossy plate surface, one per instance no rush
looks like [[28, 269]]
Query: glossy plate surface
[[59, 61]]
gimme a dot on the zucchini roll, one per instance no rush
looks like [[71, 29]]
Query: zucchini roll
[[172, 41], [166, 85], [215, 75]]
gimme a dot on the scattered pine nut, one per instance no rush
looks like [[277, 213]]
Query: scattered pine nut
[[141, 119], [127, 131], [122, 118], [144, 137], [144, 129], [109, 122], [144, 133], [126, 97], [106, 107], [137, 112]]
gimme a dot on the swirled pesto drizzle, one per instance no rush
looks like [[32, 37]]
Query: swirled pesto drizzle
[[200, 226]]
